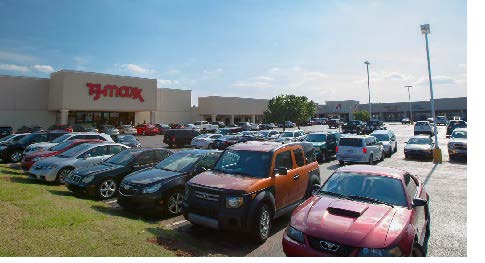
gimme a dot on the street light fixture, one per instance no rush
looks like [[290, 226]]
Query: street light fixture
[[367, 63], [436, 151], [410, 106]]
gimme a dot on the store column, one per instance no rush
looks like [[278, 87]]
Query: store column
[[63, 117], [214, 118], [152, 117], [232, 120], [253, 119]]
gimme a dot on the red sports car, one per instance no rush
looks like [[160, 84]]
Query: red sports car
[[32, 158], [147, 129], [362, 210]]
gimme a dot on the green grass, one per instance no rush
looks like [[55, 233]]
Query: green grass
[[39, 219]]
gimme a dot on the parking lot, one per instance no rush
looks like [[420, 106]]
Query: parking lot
[[446, 184]]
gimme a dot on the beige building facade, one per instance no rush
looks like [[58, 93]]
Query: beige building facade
[[232, 109]]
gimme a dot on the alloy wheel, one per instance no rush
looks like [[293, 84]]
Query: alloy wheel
[[63, 174], [16, 156], [107, 189], [315, 188], [323, 158], [264, 224], [175, 203], [371, 159]]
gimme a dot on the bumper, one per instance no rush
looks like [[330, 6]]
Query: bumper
[[141, 202], [292, 248], [26, 165], [422, 154], [352, 159], [48, 175], [81, 189], [457, 152]]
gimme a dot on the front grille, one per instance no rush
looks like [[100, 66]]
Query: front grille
[[205, 211], [329, 246], [207, 196], [460, 146]]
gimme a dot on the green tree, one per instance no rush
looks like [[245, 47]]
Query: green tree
[[293, 108], [362, 115]]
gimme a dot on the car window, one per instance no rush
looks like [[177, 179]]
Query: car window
[[310, 156], [208, 161], [145, 158], [97, 151], [368, 142], [300, 161], [91, 137], [331, 138], [114, 149], [283, 160], [160, 155], [354, 142], [411, 186]]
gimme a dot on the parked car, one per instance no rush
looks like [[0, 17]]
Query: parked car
[[229, 130], [5, 131], [252, 184], [362, 210], [84, 128], [109, 129], [254, 127], [419, 146], [36, 147], [245, 126], [162, 128], [28, 129], [220, 124], [128, 140], [58, 127], [205, 141], [355, 127], [287, 124], [359, 149], [161, 188], [128, 129], [325, 144], [373, 125], [205, 126], [333, 123], [176, 126], [30, 159], [269, 134], [13, 137], [147, 129], [441, 120], [228, 140], [453, 124], [406, 121], [457, 146], [267, 126], [423, 127], [58, 167], [388, 140], [102, 180], [179, 137], [430, 120], [12, 151], [291, 136]]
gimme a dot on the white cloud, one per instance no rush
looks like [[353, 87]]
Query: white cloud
[[439, 80], [11, 67], [43, 68], [167, 83], [136, 69], [251, 84], [15, 57], [385, 75]]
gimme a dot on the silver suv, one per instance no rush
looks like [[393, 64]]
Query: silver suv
[[359, 149], [423, 127], [42, 146]]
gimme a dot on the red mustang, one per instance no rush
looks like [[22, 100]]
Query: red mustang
[[362, 210], [32, 158], [147, 129]]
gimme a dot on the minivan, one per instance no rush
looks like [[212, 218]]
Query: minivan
[[179, 137], [359, 149]]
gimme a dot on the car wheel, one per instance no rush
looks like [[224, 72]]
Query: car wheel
[[210, 146], [313, 188], [63, 174], [107, 189], [170, 146], [406, 156], [382, 156], [173, 202], [341, 162], [262, 226], [395, 149], [389, 153], [371, 159], [417, 250], [16, 156], [323, 157]]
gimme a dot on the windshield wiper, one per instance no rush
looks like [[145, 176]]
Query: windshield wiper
[[370, 199], [333, 194]]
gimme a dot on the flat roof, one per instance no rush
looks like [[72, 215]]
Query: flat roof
[[21, 77], [95, 73]]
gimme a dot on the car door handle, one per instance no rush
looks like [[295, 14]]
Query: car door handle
[[296, 177]]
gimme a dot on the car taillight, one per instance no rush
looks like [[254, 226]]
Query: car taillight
[[336, 149], [364, 150]]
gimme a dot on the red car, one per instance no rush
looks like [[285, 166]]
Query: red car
[[362, 210], [32, 158], [147, 129]]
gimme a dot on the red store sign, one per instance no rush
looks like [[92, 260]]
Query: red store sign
[[114, 91]]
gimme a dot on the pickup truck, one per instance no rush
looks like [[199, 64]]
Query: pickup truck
[[354, 126], [205, 126]]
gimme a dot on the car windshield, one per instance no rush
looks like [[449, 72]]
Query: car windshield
[[75, 151], [124, 157], [419, 141], [247, 163], [459, 134], [287, 134], [381, 137], [60, 146], [126, 138], [316, 138], [366, 187], [61, 138], [179, 162], [355, 142], [422, 123], [28, 138], [7, 138]]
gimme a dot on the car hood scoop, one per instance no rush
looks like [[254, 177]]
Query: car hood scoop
[[344, 208]]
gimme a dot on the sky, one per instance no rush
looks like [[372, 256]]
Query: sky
[[246, 48]]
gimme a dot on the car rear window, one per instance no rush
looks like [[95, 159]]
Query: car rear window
[[355, 142]]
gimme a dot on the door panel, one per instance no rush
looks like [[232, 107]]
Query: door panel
[[300, 177], [283, 183]]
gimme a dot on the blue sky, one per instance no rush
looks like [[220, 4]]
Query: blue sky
[[245, 48]]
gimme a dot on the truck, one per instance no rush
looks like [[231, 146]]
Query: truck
[[205, 126]]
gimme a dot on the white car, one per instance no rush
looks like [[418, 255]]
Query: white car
[[291, 136], [128, 130], [388, 140], [269, 134], [423, 127], [42, 146], [204, 141], [58, 167], [206, 126], [359, 149], [254, 126]]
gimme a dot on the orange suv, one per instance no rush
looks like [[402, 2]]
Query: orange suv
[[251, 184]]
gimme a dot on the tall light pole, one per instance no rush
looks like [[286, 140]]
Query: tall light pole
[[410, 106], [367, 63], [436, 152]]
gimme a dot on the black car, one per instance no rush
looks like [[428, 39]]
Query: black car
[[228, 140], [179, 137], [102, 180], [161, 188], [453, 124], [267, 126], [333, 123], [128, 140], [162, 128], [355, 127], [12, 152], [5, 131], [373, 125], [29, 129]]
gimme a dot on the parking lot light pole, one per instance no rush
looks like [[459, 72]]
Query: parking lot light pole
[[410, 105], [425, 30], [367, 63]]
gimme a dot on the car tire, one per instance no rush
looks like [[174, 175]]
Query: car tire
[[173, 202], [371, 159], [107, 189], [383, 156], [16, 156], [63, 174], [406, 156], [389, 152], [323, 157], [210, 146], [313, 187], [417, 250], [341, 162], [395, 149], [170, 146], [262, 225]]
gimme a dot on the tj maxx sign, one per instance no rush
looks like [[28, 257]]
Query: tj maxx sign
[[114, 91]]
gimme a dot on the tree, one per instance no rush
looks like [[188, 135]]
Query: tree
[[293, 108], [362, 115]]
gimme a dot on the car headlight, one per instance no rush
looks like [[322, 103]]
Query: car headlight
[[381, 252], [295, 234], [88, 179], [234, 202], [151, 189], [2, 148]]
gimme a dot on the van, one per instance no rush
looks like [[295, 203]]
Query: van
[[179, 137], [359, 149]]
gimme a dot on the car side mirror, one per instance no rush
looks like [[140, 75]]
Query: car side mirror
[[419, 202], [282, 171]]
